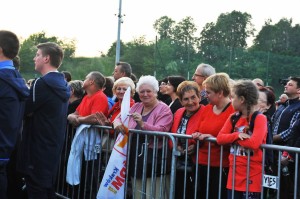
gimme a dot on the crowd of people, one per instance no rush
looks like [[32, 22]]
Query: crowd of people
[[241, 114]]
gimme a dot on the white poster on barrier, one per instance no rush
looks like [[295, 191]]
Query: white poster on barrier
[[113, 181], [270, 181]]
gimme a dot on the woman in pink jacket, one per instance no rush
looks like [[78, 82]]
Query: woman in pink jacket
[[151, 115]]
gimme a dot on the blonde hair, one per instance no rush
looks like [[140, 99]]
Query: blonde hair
[[218, 82], [124, 80]]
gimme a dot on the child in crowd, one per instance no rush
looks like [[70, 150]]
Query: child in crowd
[[245, 141]]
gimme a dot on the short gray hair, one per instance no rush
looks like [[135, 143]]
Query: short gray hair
[[98, 78], [148, 80], [76, 86], [206, 69]]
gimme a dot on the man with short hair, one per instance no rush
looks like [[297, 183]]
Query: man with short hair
[[13, 92], [122, 69], [286, 114], [202, 72], [45, 124], [68, 76], [284, 120], [94, 101]]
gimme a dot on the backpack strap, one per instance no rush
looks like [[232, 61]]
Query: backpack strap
[[252, 120], [234, 118]]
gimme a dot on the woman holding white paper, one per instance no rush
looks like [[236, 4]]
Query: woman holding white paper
[[152, 115]]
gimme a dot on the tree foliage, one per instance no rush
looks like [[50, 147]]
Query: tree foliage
[[164, 27], [112, 50], [229, 33], [281, 38], [177, 50], [139, 53]]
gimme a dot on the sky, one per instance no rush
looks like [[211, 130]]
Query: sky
[[93, 24]]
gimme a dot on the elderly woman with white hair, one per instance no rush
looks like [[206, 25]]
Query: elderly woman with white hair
[[152, 115]]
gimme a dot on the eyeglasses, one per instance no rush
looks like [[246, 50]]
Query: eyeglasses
[[197, 75], [163, 84]]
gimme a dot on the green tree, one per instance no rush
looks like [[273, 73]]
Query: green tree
[[282, 34], [184, 42], [139, 53], [164, 27], [69, 47], [265, 38], [219, 40], [81, 66], [165, 56], [112, 50], [280, 38], [295, 38]]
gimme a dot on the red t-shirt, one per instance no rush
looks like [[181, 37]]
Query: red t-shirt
[[92, 104], [257, 138], [210, 123]]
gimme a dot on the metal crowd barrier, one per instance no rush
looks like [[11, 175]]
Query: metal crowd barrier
[[153, 169], [274, 181], [159, 173]]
